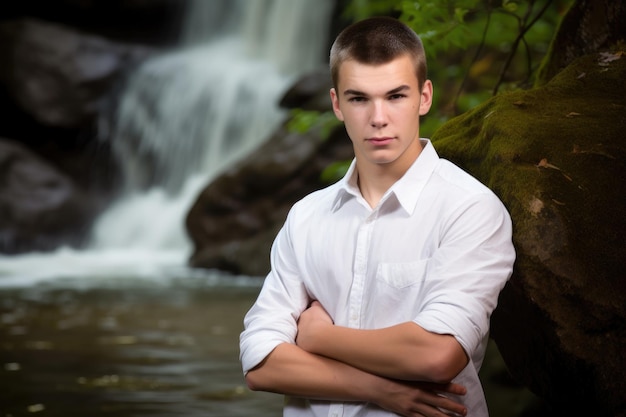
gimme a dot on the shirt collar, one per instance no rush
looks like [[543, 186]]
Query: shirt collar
[[348, 187], [406, 190]]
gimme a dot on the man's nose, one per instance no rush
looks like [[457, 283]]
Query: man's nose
[[379, 114]]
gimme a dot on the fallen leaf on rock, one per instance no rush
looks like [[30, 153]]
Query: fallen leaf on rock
[[597, 149], [608, 57], [572, 114], [545, 164]]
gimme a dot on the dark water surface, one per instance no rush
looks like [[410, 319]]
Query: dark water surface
[[137, 349], [143, 348]]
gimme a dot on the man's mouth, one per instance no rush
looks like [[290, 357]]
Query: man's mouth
[[380, 141]]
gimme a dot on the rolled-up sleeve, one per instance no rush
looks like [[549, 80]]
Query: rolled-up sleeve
[[272, 320], [467, 272]]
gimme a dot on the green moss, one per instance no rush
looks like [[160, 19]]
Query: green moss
[[555, 151]]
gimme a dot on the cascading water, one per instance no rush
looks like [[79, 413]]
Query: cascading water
[[184, 117]]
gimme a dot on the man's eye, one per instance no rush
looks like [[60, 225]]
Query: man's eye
[[396, 96], [356, 99]]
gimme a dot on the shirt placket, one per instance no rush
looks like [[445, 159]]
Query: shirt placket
[[363, 242]]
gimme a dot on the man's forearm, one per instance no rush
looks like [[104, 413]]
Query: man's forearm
[[405, 351], [289, 370], [292, 371]]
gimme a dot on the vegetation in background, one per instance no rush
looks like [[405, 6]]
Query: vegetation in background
[[475, 48], [302, 121]]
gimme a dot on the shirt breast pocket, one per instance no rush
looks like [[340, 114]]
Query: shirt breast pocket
[[402, 275]]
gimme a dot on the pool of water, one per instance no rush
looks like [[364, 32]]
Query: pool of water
[[126, 348], [131, 346]]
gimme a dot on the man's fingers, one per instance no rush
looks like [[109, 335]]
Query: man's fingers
[[453, 388], [450, 388], [436, 405]]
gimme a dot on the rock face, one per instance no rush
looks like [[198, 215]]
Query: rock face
[[55, 83], [556, 156], [58, 75], [38, 204], [236, 218]]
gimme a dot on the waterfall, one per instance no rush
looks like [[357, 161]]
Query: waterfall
[[187, 114]]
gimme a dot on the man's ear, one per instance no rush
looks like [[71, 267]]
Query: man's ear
[[427, 97], [335, 100]]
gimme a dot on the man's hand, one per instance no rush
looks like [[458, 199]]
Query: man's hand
[[413, 399], [310, 320]]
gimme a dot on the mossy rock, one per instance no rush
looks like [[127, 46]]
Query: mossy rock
[[555, 156]]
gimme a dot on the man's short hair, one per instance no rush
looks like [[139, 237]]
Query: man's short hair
[[377, 40]]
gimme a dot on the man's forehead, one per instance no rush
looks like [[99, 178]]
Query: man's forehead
[[377, 78]]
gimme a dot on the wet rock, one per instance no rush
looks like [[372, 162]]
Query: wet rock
[[310, 92], [40, 208], [236, 217], [58, 75], [556, 156]]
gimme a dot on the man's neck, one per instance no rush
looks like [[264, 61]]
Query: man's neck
[[374, 179]]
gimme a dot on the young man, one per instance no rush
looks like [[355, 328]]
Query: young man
[[382, 285]]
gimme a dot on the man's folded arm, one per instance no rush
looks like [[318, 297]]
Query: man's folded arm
[[405, 351], [292, 371]]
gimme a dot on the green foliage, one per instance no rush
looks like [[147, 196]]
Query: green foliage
[[475, 48], [335, 171], [441, 25], [361, 9], [302, 121]]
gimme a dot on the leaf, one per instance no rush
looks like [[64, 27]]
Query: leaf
[[572, 114], [335, 171], [303, 121], [510, 6], [545, 164], [608, 57]]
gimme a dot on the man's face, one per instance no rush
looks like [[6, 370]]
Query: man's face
[[380, 106]]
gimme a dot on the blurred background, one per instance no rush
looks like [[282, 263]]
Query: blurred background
[[117, 297]]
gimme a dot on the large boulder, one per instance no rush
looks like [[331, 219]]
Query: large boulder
[[556, 156], [310, 92], [56, 83], [58, 75], [40, 207], [235, 218]]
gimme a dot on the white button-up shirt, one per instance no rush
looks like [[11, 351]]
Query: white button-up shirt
[[436, 250]]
